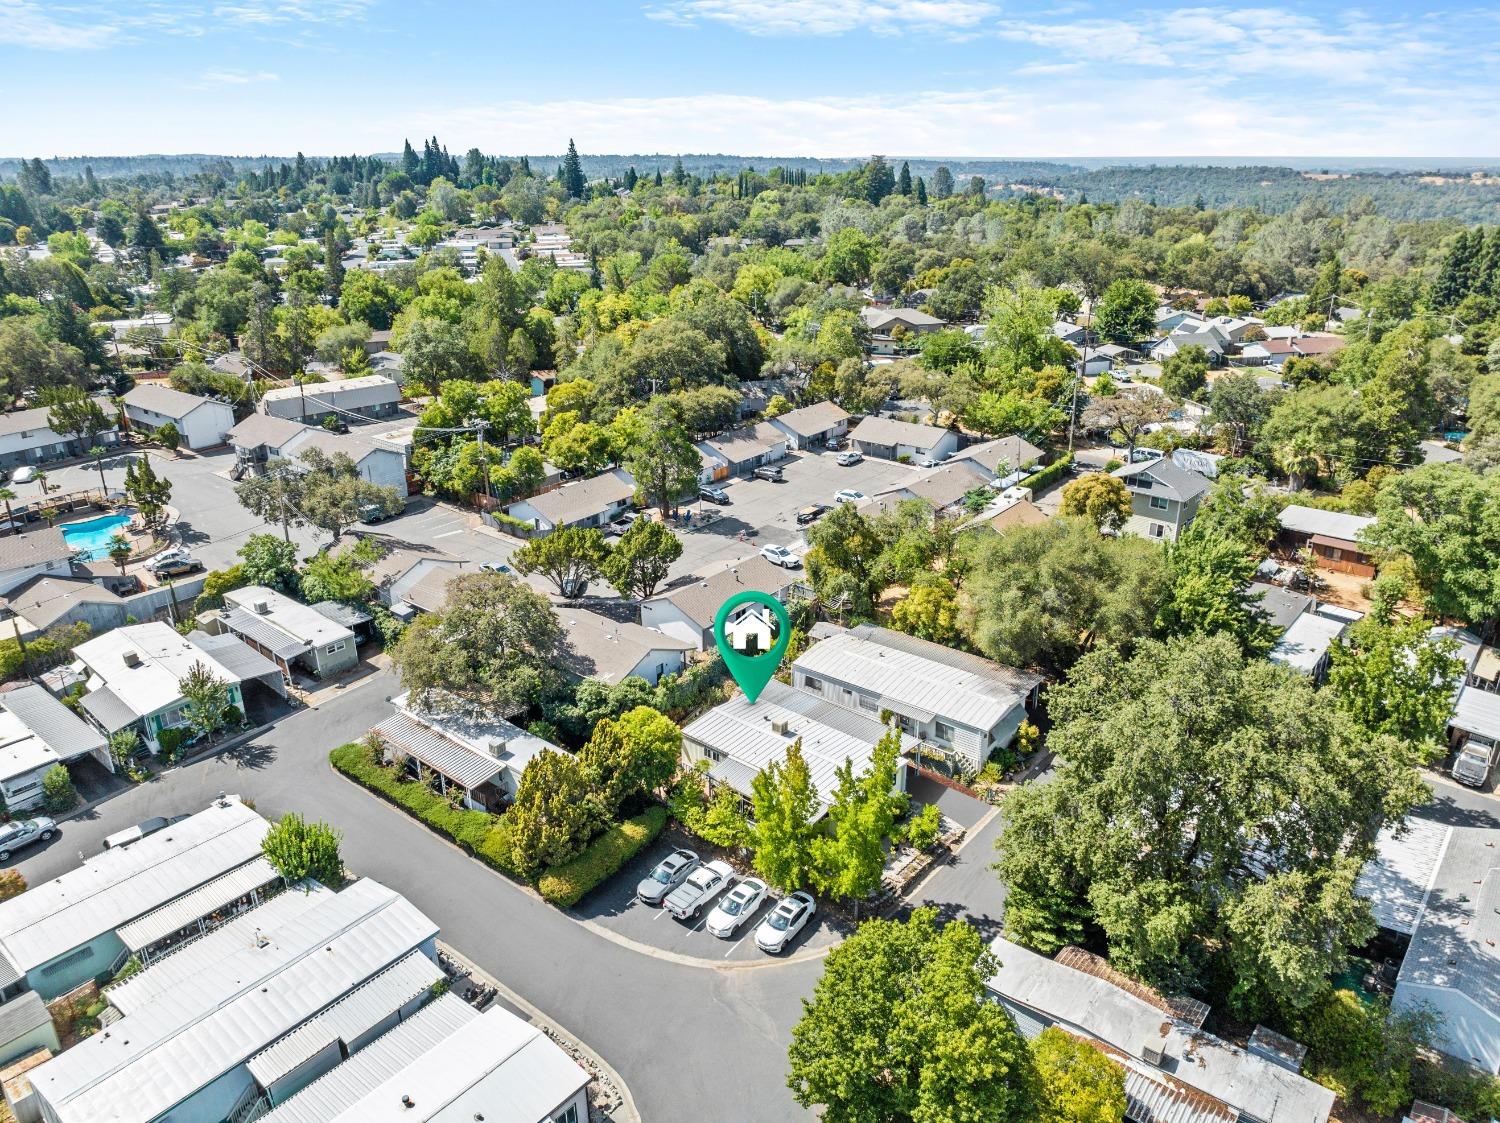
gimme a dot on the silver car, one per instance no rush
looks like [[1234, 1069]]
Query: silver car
[[669, 873], [23, 832]]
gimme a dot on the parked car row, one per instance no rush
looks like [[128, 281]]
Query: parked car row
[[685, 886]]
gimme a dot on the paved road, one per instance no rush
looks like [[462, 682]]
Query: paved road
[[683, 1038]]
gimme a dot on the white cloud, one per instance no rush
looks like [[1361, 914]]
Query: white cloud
[[26, 24], [211, 78], [830, 17]]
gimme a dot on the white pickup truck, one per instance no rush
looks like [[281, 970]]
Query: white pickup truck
[[1473, 764]]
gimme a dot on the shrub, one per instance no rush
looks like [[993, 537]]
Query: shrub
[[301, 849], [171, 740], [1050, 474], [12, 884], [922, 829], [567, 884], [58, 793], [485, 835]]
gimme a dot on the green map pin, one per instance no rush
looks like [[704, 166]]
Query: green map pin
[[752, 672]]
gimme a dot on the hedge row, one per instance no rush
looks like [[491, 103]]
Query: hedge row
[[479, 832], [1050, 474], [566, 885]]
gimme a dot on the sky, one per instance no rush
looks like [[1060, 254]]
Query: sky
[[751, 77]]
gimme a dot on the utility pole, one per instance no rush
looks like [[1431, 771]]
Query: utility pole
[[480, 426]]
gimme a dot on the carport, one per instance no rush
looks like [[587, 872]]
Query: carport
[[243, 660]]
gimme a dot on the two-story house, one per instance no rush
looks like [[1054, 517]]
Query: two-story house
[[1163, 498]]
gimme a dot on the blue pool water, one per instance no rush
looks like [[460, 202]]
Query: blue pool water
[[92, 536]]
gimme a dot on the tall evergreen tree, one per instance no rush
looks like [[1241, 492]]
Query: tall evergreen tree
[[921, 191], [903, 181], [409, 162], [942, 182], [573, 183]]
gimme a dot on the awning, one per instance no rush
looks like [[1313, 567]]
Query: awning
[[192, 907], [465, 767], [1337, 543], [109, 709]]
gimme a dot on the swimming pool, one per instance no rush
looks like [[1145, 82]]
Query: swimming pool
[[92, 535]]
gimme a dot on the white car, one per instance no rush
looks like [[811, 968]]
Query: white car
[[849, 457], [925, 462], [849, 495], [703, 885], [738, 906], [24, 474], [786, 920], [780, 555]]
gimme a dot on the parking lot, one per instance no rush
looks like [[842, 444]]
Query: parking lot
[[616, 907]]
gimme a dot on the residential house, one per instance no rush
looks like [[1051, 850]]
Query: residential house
[[369, 397], [687, 612], [134, 675], [1077, 335], [1206, 464], [250, 1013], [889, 327], [1234, 328], [27, 437], [944, 486], [285, 631], [1333, 537], [448, 1063], [1169, 320], [1208, 338], [1163, 498], [56, 602], [37, 553], [1013, 513], [961, 703], [593, 502], [201, 422], [740, 739], [1006, 460], [63, 932], [37, 733], [258, 439], [1306, 629], [1450, 965], [400, 566], [610, 651], [889, 439], [477, 758], [1169, 1060], [744, 450], [1267, 353], [26, 1029], [375, 463], [814, 426], [712, 466], [1095, 360]]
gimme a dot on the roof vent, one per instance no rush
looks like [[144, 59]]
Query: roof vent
[[261, 939], [131, 658], [262, 608], [408, 1102], [781, 725], [1153, 1051]]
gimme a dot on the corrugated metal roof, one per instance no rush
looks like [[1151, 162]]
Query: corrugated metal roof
[[459, 763], [236, 655], [349, 1018], [21, 1015], [124, 883], [1397, 880], [201, 902], [1477, 711], [258, 629], [1314, 520], [68, 734], [425, 1030], [108, 709], [8, 972], [913, 674], [163, 1053]]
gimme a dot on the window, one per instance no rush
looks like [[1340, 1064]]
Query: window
[[68, 960], [810, 683], [174, 717], [1158, 530], [334, 648], [1160, 502], [569, 1116], [713, 754], [943, 731], [869, 702]]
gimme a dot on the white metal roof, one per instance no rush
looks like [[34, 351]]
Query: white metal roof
[[1477, 711], [122, 884], [163, 659], [201, 902], [1330, 524], [830, 734], [427, 1029], [374, 387], [1398, 879], [301, 622], [495, 1067], [68, 734], [1097, 1008], [915, 674], [21, 750], [1305, 643], [171, 1048], [349, 1018]]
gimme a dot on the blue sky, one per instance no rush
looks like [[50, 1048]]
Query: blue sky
[[759, 77]]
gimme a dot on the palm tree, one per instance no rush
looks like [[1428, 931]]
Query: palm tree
[[6, 495], [97, 452], [120, 550]]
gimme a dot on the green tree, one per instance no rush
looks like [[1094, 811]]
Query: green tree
[[850, 859], [167, 436], [641, 559], [1127, 414], [723, 822], [120, 551], [300, 849], [1080, 1083], [1099, 498], [1210, 574], [269, 561], [785, 802], [1185, 373], [843, 560], [630, 757], [58, 793], [1393, 679], [1447, 520], [1293, 778], [995, 413], [1127, 312], [207, 698], [929, 611], [275, 496], [71, 412], [340, 577], [335, 496], [665, 465], [900, 1029], [149, 492], [570, 558], [553, 817], [573, 183], [494, 647]]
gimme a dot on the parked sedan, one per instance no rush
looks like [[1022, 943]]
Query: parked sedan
[[24, 474], [780, 555], [849, 495], [812, 513], [23, 832], [786, 920], [669, 873], [736, 907], [849, 457], [700, 887], [170, 563], [713, 494]]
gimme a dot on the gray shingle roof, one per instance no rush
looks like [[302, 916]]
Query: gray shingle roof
[[36, 547], [1015, 452], [574, 502], [608, 650], [700, 601], [262, 430], [1181, 485], [889, 431], [21, 1015], [45, 600], [813, 420], [164, 400]]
